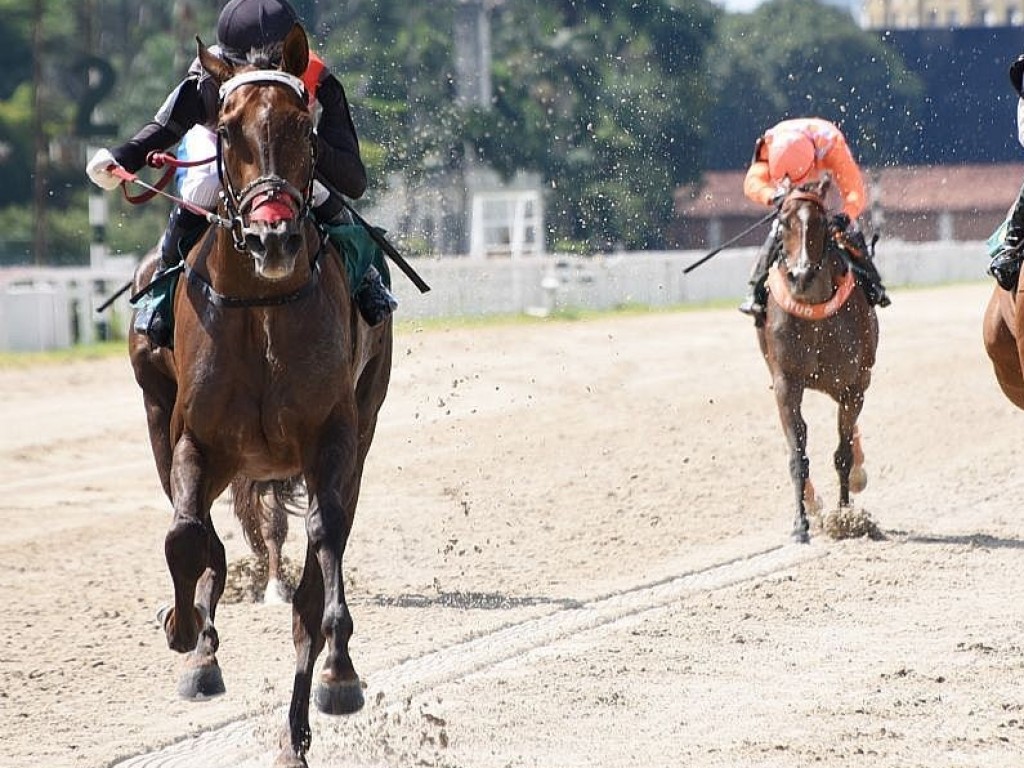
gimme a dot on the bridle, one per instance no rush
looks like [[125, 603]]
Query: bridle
[[778, 284], [238, 203], [806, 196]]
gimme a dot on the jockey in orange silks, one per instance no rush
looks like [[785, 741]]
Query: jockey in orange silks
[[794, 152]]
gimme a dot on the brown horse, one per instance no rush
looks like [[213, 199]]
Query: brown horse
[[819, 333], [1002, 331], [273, 377]]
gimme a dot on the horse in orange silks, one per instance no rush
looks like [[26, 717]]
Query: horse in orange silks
[[820, 333]]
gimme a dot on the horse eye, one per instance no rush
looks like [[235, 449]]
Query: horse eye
[[223, 133]]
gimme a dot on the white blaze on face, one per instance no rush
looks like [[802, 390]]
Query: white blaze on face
[[804, 262]]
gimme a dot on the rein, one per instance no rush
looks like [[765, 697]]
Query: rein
[[153, 190]]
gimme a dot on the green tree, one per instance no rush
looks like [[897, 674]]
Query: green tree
[[795, 58], [604, 99], [395, 60]]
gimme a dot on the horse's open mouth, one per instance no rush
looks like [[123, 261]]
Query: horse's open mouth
[[272, 208]]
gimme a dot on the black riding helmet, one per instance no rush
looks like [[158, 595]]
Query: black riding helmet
[[247, 24]]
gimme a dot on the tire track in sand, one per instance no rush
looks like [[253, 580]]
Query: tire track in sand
[[243, 743]]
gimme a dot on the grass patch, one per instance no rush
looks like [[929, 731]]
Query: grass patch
[[76, 353]]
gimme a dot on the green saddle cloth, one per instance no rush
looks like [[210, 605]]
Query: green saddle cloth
[[359, 251], [995, 240], [154, 298]]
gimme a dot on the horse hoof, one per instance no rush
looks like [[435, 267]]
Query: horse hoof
[[800, 537], [288, 759], [858, 479], [201, 679], [342, 698]]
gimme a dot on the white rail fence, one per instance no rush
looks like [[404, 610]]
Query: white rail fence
[[51, 308]]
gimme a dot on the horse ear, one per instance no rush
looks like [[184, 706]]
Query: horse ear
[[219, 69], [295, 56]]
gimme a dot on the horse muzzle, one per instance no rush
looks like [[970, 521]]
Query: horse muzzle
[[802, 278], [273, 235]]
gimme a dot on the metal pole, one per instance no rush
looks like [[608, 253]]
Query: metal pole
[[41, 158]]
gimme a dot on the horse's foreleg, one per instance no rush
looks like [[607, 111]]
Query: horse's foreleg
[[789, 397], [196, 560], [307, 615], [339, 691]]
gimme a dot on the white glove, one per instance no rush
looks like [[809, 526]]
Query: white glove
[[320, 193], [98, 173]]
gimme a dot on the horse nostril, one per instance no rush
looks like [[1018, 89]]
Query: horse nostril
[[293, 243], [254, 243]]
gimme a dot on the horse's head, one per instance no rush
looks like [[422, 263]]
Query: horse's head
[[803, 231], [265, 152]]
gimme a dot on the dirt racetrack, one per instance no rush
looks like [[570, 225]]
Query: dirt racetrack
[[571, 550]]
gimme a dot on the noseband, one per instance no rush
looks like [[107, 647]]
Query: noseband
[[269, 186]]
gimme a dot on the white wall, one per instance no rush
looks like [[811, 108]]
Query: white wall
[[503, 286], [39, 308]]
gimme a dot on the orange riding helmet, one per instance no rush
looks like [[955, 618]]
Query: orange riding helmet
[[790, 154]]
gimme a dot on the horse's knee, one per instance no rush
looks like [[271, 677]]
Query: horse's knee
[[187, 548]]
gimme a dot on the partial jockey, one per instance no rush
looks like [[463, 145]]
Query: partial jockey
[[245, 28], [789, 154], [1006, 261]]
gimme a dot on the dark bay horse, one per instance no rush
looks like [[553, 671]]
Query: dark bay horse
[[1002, 332], [274, 377], [819, 333]]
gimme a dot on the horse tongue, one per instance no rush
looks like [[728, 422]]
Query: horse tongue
[[270, 210]]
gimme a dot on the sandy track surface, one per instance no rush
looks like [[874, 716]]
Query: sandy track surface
[[571, 550]]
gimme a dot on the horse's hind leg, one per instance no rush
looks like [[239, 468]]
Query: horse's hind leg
[[858, 475], [274, 530], [261, 509], [849, 410]]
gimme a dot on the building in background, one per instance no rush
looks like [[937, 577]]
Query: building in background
[[943, 203], [946, 14], [470, 209]]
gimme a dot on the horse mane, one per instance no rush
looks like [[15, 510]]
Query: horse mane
[[265, 57]]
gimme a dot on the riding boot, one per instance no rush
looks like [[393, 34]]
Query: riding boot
[[757, 297], [874, 290], [375, 301], [373, 298], [1005, 265], [153, 318]]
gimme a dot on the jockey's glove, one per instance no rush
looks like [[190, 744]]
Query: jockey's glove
[[99, 167], [840, 222]]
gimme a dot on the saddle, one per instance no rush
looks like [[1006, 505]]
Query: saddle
[[358, 251]]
